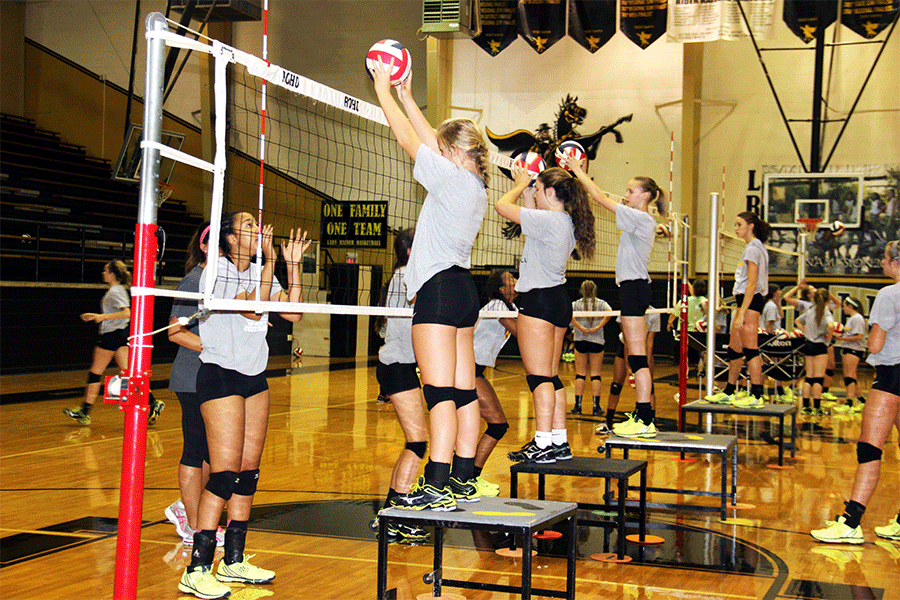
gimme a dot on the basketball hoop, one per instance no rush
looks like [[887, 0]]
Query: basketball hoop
[[163, 192], [810, 223]]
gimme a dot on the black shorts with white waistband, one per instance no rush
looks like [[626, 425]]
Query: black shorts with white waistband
[[547, 304], [397, 377], [634, 297], [448, 298]]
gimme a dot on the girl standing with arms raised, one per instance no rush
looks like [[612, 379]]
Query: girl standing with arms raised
[[556, 217], [751, 284], [633, 278], [881, 414], [451, 164], [234, 398]]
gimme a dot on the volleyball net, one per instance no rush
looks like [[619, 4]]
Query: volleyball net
[[300, 155]]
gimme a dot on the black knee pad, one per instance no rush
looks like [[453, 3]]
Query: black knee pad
[[557, 383], [866, 452], [849, 380], [93, 378], [829, 372], [615, 389], [221, 483], [464, 397], [581, 377], [596, 378], [496, 430], [417, 448], [536, 380], [246, 484], [815, 380], [734, 354], [750, 353], [638, 362], [436, 395]]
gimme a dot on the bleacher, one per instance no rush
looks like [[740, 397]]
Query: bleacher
[[63, 216]]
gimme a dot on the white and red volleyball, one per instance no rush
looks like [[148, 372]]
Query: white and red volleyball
[[531, 162], [387, 51], [837, 229], [568, 149], [700, 325], [839, 328], [663, 231]]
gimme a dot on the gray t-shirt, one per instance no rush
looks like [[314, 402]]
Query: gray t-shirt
[[855, 325], [770, 313], [449, 220], [815, 331], [597, 337], [398, 346], [115, 299], [549, 241], [754, 252], [886, 314], [229, 339], [490, 335], [635, 243], [183, 377]]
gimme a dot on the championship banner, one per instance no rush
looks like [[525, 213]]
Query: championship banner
[[868, 18], [695, 20], [760, 14], [801, 16], [542, 22], [499, 25], [643, 21], [354, 224], [592, 22]]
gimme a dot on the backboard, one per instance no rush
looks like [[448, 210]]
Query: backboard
[[789, 198], [128, 165]]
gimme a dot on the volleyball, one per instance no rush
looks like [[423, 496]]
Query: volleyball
[[837, 228], [838, 328], [388, 50], [531, 162], [663, 231], [700, 325], [568, 149]]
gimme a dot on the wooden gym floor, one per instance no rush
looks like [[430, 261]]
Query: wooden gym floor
[[326, 467]]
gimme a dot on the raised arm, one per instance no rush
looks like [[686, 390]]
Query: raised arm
[[293, 250], [596, 193], [789, 295], [506, 205], [412, 131]]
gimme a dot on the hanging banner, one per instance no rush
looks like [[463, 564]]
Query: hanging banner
[[643, 21], [592, 22], [760, 14], [354, 224], [802, 16], [868, 18], [695, 21], [499, 26], [542, 22]]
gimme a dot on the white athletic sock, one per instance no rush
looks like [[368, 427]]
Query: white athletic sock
[[543, 439], [559, 437]]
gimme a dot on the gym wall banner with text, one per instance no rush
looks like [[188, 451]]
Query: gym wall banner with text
[[354, 224], [592, 23]]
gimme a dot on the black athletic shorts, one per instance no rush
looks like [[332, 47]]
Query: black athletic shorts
[[547, 304], [887, 379], [397, 377], [195, 450], [448, 298], [860, 353], [756, 305], [634, 297], [479, 371], [113, 340], [215, 382], [586, 347], [814, 348]]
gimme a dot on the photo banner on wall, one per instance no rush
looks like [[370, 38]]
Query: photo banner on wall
[[802, 18], [760, 15], [868, 18], [499, 25], [592, 23], [643, 21], [542, 22], [710, 20]]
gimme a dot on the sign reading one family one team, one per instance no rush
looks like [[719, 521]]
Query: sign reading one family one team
[[354, 224]]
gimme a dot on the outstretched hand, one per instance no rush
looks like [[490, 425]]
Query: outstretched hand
[[381, 74], [268, 245], [295, 246]]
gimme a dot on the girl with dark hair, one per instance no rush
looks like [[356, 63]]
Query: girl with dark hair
[[396, 374], [633, 278], [853, 350], [234, 397], [490, 337], [751, 284], [818, 328], [589, 345], [113, 323], [881, 415], [451, 164], [555, 217], [770, 321]]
